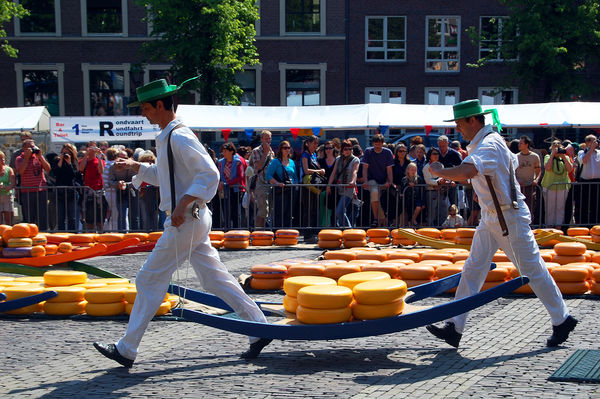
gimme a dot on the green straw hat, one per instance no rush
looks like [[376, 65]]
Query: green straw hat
[[156, 90], [466, 109]]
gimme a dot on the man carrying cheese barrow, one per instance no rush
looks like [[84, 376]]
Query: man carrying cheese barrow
[[504, 223], [188, 179]]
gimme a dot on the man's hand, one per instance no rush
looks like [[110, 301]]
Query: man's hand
[[178, 215], [127, 163], [27, 152], [435, 167]]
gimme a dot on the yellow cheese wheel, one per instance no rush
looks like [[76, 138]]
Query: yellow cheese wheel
[[337, 271], [379, 292], [352, 279], [324, 297], [6, 278], [90, 284], [306, 270], [163, 309], [266, 283], [292, 285], [430, 232], [290, 303], [106, 294], [82, 238], [111, 280], [570, 248], [30, 279], [21, 291], [110, 237], [355, 243], [19, 242], [378, 233], [286, 241], [329, 244], [37, 307], [330, 235], [354, 235], [64, 277], [39, 240], [323, 316], [64, 308], [235, 244], [369, 312], [105, 309], [140, 236], [14, 283], [69, 293]]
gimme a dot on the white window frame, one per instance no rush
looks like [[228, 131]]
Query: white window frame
[[124, 16], [384, 49], [442, 91], [322, 67], [500, 19], [385, 96], [57, 23], [498, 97], [60, 68], [323, 20], [86, 68], [443, 48]]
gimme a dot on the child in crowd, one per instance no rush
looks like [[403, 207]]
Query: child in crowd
[[454, 219]]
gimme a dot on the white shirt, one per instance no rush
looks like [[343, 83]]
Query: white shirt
[[591, 169], [195, 172], [490, 156]]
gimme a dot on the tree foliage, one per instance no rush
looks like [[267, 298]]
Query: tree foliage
[[8, 11], [213, 38], [556, 43]]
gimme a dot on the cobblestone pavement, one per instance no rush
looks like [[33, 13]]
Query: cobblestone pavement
[[502, 354]]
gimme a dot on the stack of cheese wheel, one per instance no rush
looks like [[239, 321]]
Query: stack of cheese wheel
[[69, 301], [389, 266], [397, 239], [216, 238], [324, 304], [379, 298], [57, 238], [430, 232], [105, 301], [62, 278], [464, 235], [404, 255], [154, 236], [131, 293], [237, 239], [110, 238], [500, 256], [379, 256], [292, 285], [306, 269], [447, 271], [569, 252], [337, 270], [495, 277], [448, 234], [354, 238], [594, 233], [572, 279], [262, 238], [17, 240], [286, 237], [82, 240], [379, 236], [594, 284], [578, 231], [268, 277], [24, 289], [416, 274], [330, 238]]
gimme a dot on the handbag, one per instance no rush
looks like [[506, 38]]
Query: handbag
[[254, 178], [311, 180]]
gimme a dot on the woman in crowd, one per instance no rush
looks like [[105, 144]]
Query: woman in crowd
[[149, 197], [310, 199], [127, 196], [555, 183], [65, 168], [436, 207], [420, 159], [344, 171], [401, 161], [7, 183], [110, 193], [232, 185], [326, 163], [412, 189], [280, 173]]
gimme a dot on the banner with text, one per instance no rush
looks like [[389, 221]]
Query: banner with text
[[101, 128]]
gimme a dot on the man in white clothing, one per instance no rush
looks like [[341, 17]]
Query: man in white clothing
[[489, 156], [186, 232]]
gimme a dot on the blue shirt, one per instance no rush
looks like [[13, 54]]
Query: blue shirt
[[275, 169]]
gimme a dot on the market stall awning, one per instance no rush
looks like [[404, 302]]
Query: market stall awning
[[14, 120]]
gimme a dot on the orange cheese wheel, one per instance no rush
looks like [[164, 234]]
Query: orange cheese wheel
[[217, 243], [143, 237], [33, 230], [500, 257], [262, 235], [330, 235], [154, 236], [355, 244], [57, 238], [337, 271], [430, 232], [216, 235], [329, 244], [18, 242], [524, 290], [262, 242], [390, 268], [268, 271], [342, 255], [39, 240], [570, 248], [448, 234], [20, 230], [564, 259], [290, 303], [594, 287], [396, 232], [596, 275], [306, 270], [370, 312], [465, 232], [437, 255], [569, 273], [266, 283], [414, 283], [110, 237], [594, 230], [403, 241], [229, 244], [459, 256], [82, 238], [65, 247], [237, 235], [38, 251], [463, 240], [354, 235], [286, 241], [573, 288], [412, 255], [378, 233], [64, 308], [380, 240], [448, 270], [380, 256], [578, 231], [490, 284], [497, 274], [416, 272], [287, 233]]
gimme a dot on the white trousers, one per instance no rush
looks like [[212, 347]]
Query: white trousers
[[171, 250], [488, 238], [555, 206], [112, 223]]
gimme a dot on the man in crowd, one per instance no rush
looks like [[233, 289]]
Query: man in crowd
[[528, 173], [259, 160], [378, 163], [589, 161], [449, 158], [30, 165], [184, 191], [92, 167]]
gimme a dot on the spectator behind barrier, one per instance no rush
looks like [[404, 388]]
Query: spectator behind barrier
[[65, 171], [259, 160], [589, 175], [110, 193], [529, 173], [7, 183], [31, 165], [378, 162], [310, 200], [232, 185], [282, 172], [557, 166]]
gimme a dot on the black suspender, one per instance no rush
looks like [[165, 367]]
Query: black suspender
[[172, 167]]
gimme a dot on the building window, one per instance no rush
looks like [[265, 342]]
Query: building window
[[392, 95], [41, 85], [104, 17], [247, 81], [43, 20], [441, 95], [106, 89], [302, 16], [443, 44], [496, 96], [493, 34], [386, 39], [303, 84]]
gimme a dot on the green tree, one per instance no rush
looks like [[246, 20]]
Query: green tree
[[213, 38], [8, 11], [550, 44]]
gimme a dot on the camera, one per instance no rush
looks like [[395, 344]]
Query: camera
[[35, 150], [561, 151]]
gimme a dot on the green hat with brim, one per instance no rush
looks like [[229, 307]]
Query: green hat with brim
[[156, 90], [466, 109]]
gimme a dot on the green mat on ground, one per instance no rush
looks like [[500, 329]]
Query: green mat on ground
[[581, 366]]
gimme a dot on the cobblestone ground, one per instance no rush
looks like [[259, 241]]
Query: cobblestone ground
[[502, 354]]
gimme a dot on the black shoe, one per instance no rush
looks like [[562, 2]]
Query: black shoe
[[374, 223], [447, 333], [111, 352], [561, 332], [255, 348]]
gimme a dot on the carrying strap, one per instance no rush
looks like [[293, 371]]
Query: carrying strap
[[339, 173], [172, 167]]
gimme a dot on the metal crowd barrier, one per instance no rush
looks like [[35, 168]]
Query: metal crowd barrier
[[298, 206]]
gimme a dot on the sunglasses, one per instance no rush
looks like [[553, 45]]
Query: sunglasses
[[285, 148], [435, 153], [329, 148], [401, 150]]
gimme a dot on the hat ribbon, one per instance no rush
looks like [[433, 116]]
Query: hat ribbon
[[495, 119], [187, 81]]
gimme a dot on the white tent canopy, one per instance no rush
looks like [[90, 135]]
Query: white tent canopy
[[364, 116], [14, 120]]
